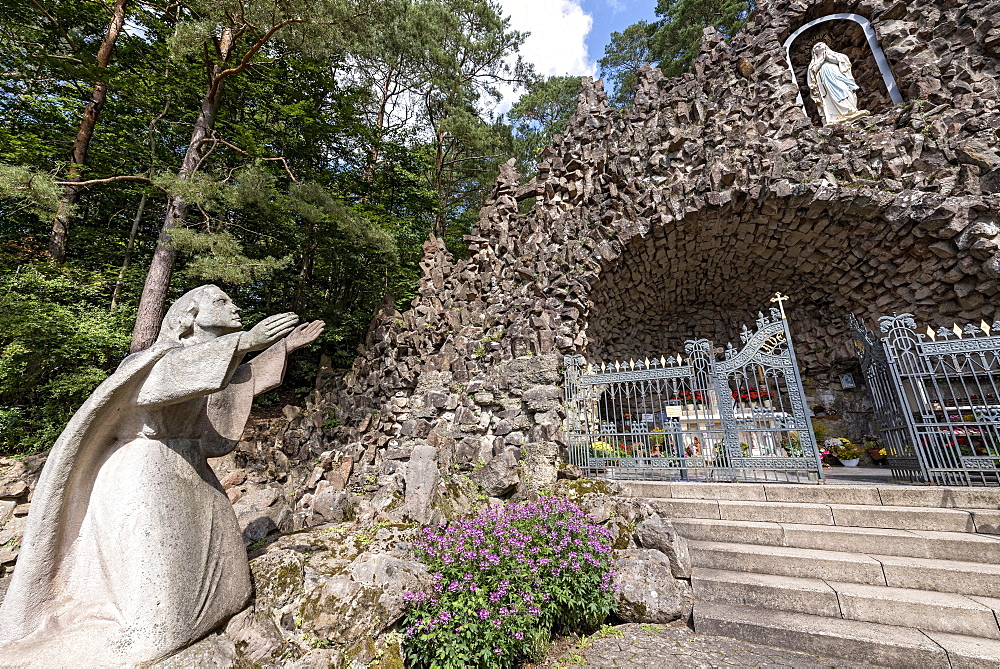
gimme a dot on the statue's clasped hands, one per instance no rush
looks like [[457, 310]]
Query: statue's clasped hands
[[274, 328]]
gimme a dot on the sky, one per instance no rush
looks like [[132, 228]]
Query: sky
[[568, 36]]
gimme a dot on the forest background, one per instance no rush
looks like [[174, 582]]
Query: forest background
[[297, 153]]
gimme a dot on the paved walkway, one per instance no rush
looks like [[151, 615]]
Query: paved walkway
[[860, 476], [675, 645]]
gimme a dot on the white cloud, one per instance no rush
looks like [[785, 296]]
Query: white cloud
[[556, 45]]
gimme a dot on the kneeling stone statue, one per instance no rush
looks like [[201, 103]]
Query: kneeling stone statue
[[132, 550]]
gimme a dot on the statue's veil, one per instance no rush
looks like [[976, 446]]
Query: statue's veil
[[62, 496], [179, 320]]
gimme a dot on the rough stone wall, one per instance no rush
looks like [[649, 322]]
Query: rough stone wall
[[679, 217]]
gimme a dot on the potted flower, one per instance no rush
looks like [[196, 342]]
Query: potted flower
[[600, 449], [845, 451], [791, 444], [824, 453], [875, 450], [752, 396], [691, 399]]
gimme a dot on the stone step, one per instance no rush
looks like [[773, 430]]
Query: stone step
[[856, 641], [849, 515], [962, 546], [937, 611], [966, 578], [877, 495]]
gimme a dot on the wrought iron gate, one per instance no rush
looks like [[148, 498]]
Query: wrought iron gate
[[693, 416], [936, 398]]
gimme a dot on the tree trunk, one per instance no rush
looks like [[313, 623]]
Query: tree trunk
[[71, 195], [380, 120], [305, 270], [154, 292], [440, 219], [128, 252]]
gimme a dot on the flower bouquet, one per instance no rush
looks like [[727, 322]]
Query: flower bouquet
[[845, 451]]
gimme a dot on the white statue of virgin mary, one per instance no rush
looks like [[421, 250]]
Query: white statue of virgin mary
[[832, 85]]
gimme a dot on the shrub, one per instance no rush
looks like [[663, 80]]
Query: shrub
[[504, 580], [58, 341]]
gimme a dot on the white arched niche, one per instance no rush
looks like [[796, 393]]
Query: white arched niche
[[883, 64]]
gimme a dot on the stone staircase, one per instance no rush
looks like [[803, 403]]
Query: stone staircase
[[896, 576]]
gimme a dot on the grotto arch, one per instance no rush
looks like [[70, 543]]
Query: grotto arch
[[870, 37], [707, 274]]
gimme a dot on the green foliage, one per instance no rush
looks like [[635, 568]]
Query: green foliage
[[57, 342], [504, 580], [544, 110], [627, 51], [792, 444], [820, 431], [671, 42], [674, 44], [344, 143], [29, 191], [219, 258]]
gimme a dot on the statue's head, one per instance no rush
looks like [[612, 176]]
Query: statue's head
[[203, 309], [819, 48]]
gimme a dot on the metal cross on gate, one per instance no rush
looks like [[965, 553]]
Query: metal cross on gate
[[780, 299]]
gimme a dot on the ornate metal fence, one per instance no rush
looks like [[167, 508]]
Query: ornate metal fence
[[695, 417], [936, 398]]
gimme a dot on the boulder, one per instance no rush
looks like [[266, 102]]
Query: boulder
[[330, 505], [500, 475], [261, 513], [660, 534], [570, 471], [255, 634], [422, 478], [279, 577], [363, 600], [646, 590], [13, 488], [542, 398], [212, 652]]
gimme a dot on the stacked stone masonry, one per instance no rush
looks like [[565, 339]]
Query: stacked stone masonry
[[674, 218]]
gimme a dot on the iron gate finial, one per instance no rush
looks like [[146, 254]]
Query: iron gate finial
[[780, 299]]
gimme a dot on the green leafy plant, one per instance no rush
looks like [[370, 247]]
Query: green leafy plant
[[820, 431], [504, 580], [791, 444], [844, 449], [871, 442], [58, 341]]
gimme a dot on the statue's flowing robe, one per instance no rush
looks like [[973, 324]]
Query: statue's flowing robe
[[132, 549], [833, 87]]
